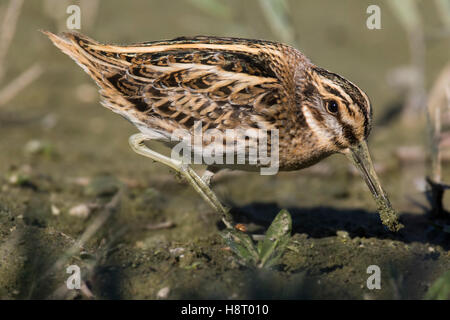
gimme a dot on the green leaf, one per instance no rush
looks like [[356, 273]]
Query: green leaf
[[276, 240], [242, 245], [259, 246], [440, 290]]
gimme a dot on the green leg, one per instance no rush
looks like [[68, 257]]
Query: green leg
[[208, 174], [137, 144]]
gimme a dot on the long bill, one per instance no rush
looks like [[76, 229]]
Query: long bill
[[359, 155]]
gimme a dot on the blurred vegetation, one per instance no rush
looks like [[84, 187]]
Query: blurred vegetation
[[440, 290]]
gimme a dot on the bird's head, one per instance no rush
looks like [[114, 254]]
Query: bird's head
[[338, 111], [340, 116]]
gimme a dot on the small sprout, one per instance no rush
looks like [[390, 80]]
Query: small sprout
[[268, 251], [242, 245], [440, 289], [276, 240]]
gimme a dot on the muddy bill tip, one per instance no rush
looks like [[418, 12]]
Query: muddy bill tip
[[388, 215], [359, 155]]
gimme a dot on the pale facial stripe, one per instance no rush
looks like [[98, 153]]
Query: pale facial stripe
[[325, 85], [321, 132], [333, 85], [347, 116], [360, 99]]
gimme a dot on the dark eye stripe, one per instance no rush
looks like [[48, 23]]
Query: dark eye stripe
[[338, 94], [347, 130], [353, 92], [348, 133], [334, 91]]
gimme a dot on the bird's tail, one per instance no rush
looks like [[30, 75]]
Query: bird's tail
[[101, 63], [88, 54]]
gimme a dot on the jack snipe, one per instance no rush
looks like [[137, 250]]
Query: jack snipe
[[228, 83]]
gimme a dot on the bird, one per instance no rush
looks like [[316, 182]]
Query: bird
[[197, 84]]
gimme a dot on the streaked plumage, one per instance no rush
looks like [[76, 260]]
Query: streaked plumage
[[230, 83], [226, 83]]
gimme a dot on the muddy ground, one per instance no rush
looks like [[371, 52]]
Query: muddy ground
[[66, 169]]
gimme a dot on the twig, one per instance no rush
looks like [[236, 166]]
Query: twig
[[7, 32], [159, 226], [436, 165], [443, 9], [91, 230], [276, 12], [20, 83], [409, 16], [90, 10], [438, 97], [8, 29]]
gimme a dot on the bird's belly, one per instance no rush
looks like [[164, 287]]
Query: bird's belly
[[288, 162]]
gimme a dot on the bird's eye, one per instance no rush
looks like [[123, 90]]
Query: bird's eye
[[332, 106]]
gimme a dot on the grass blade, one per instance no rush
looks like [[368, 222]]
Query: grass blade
[[276, 239], [440, 290]]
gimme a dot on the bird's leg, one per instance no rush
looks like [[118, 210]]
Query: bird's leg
[[210, 197], [208, 174], [206, 177], [137, 144]]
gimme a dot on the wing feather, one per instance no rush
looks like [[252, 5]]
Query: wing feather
[[225, 83]]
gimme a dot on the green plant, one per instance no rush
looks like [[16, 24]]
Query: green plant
[[440, 289], [267, 252]]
